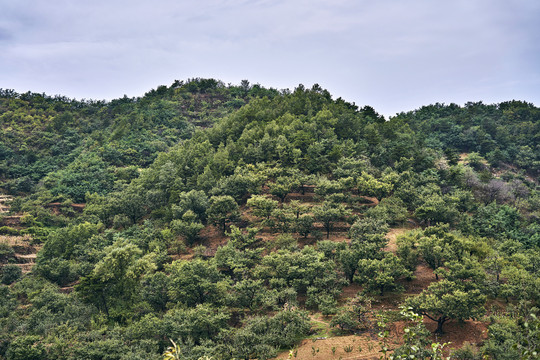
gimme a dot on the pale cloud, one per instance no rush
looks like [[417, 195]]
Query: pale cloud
[[393, 55]]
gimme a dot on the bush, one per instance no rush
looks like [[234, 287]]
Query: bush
[[59, 271], [392, 210], [121, 221], [6, 230], [467, 352], [354, 316], [26, 348], [10, 274], [6, 253]]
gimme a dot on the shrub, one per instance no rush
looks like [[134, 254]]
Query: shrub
[[6, 253], [26, 348], [10, 274]]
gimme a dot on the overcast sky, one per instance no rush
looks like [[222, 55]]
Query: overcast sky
[[395, 55]]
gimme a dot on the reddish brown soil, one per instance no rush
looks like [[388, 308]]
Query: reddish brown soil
[[368, 346], [56, 207], [350, 291], [213, 237], [305, 198], [363, 347], [457, 333], [423, 276]]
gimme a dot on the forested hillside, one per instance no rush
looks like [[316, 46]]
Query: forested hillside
[[215, 221]]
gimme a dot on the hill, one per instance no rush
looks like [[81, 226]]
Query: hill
[[239, 221]]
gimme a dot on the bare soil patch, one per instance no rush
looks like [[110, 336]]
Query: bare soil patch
[[367, 345], [393, 234], [350, 291], [361, 347], [423, 277], [457, 333]]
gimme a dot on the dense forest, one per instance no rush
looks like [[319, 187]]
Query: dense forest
[[213, 221]]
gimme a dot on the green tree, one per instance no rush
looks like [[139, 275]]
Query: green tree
[[302, 180], [282, 220], [198, 323], [304, 225], [222, 210], [327, 187], [262, 206], [354, 315], [112, 284], [435, 209], [390, 209], [467, 272], [10, 274], [240, 254], [445, 300], [381, 275], [27, 347], [370, 186], [238, 185], [364, 227], [194, 200], [307, 271], [296, 207], [416, 339], [282, 187], [328, 214], [520, 284], [369, 247], [188, 227], [407, 249], [196, 282], [248, 293], [437, 246], [87, 174], [154, 290]]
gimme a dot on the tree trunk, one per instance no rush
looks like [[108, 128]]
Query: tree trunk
[[440, 322], [328, 225]]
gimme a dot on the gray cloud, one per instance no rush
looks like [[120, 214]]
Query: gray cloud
[[390, 54], [5, 34]]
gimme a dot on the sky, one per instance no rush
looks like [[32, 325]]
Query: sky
[[394, 55]]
